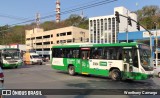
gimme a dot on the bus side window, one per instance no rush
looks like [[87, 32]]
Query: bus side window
[[120, 56], [83, 55]]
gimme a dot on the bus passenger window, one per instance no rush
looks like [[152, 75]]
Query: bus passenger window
[[96, 56], [125, 57], [120, 56]]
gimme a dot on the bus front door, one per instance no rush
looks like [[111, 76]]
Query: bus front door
[[130, 63], [84, 61]]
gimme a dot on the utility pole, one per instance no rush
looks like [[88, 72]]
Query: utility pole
[[156, 46], [37, 20], [58, 9], [127, 28]]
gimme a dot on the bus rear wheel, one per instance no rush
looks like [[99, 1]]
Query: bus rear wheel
[[71, 70], [115, 74]]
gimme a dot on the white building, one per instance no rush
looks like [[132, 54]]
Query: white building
[[104, 29]]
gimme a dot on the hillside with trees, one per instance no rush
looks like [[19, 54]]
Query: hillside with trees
[[16, 34]]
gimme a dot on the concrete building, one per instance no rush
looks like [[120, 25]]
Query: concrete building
[[104, 29], [42, 41]]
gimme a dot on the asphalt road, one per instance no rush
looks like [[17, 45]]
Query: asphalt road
[[43, 77]]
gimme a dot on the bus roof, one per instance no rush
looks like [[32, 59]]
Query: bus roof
[[8, 48], [96, 45]]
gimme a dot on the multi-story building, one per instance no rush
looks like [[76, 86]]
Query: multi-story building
[[104, 29], [42, 41]]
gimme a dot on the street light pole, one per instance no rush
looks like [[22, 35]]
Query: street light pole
[[156, 46], [127, 27]]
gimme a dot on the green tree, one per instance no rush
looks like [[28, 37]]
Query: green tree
[[78, 21], [148, 15]]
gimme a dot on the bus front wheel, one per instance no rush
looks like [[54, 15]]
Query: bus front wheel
[[115, 74], [71, 70]]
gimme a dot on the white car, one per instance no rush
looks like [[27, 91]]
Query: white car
[[157, 71]]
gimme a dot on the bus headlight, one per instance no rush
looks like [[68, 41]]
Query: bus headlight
[[5, 62], [19, 61]]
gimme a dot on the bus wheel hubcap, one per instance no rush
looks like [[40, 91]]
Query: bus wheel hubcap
[[71, 70], [115, 75]]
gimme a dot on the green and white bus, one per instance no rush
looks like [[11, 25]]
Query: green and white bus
[[10, 57], [117, 61]]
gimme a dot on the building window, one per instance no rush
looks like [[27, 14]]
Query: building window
[[51, 42], [91, 23], [113, 30], [109, 23], [62, 41], [52, 35], [94, 31], [69, 33], [105, 24], [63, 34], [57, 35], [28, 39], [102, 25], [58, 42], [69, 40]]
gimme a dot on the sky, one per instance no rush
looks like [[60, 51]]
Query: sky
[[18, 11]]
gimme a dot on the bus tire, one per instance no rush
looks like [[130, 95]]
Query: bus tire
[[116, 74], [16, 66], [71, 70], [40, 63], [31, 63]]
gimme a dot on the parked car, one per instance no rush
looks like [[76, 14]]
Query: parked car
[[157, 71], [1, 79], [45, 59]]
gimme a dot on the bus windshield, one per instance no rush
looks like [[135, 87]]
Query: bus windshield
[[145, 55], [35, 56], [11, 55]]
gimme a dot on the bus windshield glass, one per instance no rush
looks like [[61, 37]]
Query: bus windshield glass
[[145, 55], [35, 56], [11, 54]]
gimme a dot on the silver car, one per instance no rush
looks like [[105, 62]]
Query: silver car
[[157, 71]]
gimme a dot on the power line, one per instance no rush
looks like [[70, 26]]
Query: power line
[[83, 7], [3, 15], [72, 10], [80, 4], [12, 17], [89, 6]]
